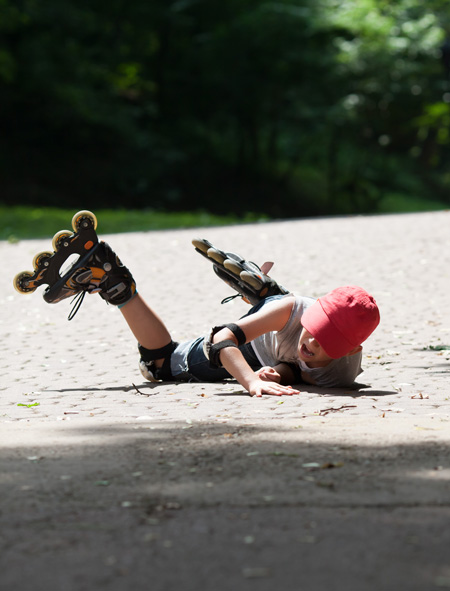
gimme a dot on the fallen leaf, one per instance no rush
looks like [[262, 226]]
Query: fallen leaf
[[323, 484], [255, 572], [399, 387], [329, 465], [29, 405], [437, 348]]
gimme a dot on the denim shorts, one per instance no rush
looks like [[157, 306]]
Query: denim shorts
[[189, 363]]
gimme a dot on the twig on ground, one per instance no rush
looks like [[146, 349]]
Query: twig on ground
[[325, 411], [142, 393]]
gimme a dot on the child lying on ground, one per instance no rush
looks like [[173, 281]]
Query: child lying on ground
[[283, 340]]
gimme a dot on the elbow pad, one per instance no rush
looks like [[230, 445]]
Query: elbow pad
[[212, 350]]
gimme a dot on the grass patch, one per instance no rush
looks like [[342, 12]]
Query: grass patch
[[399, 203], [21, 222]]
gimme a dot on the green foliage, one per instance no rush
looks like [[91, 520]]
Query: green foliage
[[21, 222], [288, 108]]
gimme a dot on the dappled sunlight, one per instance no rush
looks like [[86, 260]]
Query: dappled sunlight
[[438, 473], [267, 501], [195, 462]]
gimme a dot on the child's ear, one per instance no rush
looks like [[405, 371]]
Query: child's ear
[[354, 351]]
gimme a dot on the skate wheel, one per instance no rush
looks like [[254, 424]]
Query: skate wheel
[[216, 255], [20, 281], [40, 259], [252, 280], [84, 219], [59, 238], [201, 244], [233, 266]]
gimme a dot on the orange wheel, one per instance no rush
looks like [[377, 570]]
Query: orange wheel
[[83, 217], [59, 238], [40, 259], [20, 282]]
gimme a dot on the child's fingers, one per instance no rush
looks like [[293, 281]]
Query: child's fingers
[[277, 390], [260, 387]]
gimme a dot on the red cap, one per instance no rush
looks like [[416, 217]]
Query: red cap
[[342, 320]]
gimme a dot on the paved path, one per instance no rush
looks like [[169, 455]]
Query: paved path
[[110, 482]]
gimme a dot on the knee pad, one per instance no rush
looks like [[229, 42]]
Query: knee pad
[[154, 354], [149, 356]]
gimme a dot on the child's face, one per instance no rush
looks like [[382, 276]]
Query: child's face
[[311, 352]]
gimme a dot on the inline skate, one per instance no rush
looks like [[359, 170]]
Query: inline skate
[[79, 264], [250, 281]]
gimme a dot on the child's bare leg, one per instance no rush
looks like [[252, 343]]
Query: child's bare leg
[[146, 325], [103, 272]]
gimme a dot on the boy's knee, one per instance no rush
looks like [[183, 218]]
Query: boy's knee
[[147, 362]]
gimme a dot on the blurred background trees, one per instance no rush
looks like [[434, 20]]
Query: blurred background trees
[[289, 108]]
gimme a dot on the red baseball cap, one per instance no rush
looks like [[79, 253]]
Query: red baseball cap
[[342, 320]]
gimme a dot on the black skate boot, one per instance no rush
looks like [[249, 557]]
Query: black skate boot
[[97, 269], [243, 276], [102, 273]]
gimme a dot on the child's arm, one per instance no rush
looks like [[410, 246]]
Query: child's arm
[[270, 318]]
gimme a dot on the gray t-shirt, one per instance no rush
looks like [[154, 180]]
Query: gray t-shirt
[[282, 346]]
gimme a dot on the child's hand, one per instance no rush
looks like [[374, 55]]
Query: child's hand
[[259, 387], [268, 374]]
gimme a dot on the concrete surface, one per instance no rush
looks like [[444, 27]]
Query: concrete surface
[[110, 482]]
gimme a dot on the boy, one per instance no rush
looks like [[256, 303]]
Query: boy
[[283, 340]]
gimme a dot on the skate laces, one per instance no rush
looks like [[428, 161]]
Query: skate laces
[[76, 301], [231, 298]]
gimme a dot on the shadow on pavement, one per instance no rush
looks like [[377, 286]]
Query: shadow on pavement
[[172, 505]]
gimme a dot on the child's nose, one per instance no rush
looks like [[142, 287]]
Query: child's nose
[[313, 343]]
